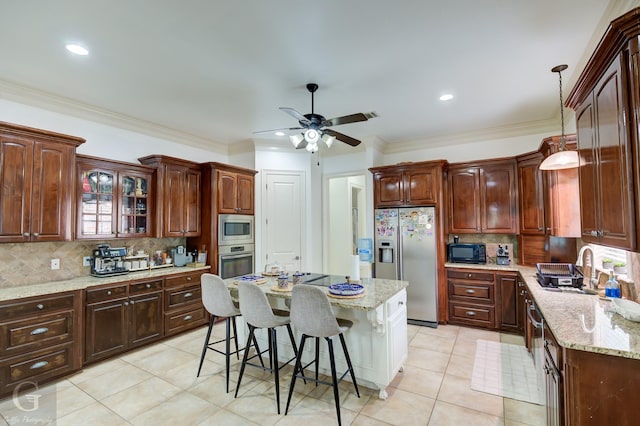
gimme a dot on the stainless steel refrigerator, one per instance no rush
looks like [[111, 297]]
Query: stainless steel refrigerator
[[405, 249]]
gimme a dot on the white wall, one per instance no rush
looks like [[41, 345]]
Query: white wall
[[103, 140]]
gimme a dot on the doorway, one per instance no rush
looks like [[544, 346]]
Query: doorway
[[345, 221]]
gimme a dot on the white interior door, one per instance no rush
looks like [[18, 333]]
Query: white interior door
[[284, 220]]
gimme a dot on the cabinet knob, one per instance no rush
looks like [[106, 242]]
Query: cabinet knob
[[126, 303], [36, 234], [26, 235], [520, 284], [188, 294], [469, 275], [132, 302], [594, 233], [187, 318], [40, 306], [400, 303], [470, 291], [541, 229], [108, 292], [188, 278], [148, 285], [521, 292], [470, 313]]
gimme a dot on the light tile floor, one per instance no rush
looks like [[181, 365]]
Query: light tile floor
[[156, 385]]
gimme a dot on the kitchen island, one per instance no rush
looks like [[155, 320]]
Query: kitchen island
[[377, 341]]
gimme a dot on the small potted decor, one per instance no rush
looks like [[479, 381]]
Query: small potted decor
[[607, 263], [620, 268]]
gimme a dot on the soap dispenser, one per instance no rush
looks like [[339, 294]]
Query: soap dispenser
[[612, 288]]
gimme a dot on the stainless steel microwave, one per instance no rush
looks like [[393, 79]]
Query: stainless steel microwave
[[467, 253], [235, 229]]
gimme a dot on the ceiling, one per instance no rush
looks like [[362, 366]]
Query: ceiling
[[216, 71]]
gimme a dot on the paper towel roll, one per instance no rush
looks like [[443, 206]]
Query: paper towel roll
[[355, 268]]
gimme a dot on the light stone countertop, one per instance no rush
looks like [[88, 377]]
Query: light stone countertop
[[376, 291], [578, 321], [90, 281]]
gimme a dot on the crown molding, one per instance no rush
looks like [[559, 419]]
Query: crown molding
[[503, 132], [40, 99]]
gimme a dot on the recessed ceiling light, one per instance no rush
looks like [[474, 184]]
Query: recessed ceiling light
[[77, 49], [446, 97], [279, 133]]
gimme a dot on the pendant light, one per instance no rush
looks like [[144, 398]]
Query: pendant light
[[564, 158]]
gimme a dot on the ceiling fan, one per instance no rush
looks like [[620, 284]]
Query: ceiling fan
[[315, 126]]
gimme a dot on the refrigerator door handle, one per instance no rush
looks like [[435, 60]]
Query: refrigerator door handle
[[399, 251]]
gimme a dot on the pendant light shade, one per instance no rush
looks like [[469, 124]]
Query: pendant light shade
[[296, 139], [563, 159]]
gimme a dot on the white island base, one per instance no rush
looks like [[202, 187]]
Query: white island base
[[377, 342]]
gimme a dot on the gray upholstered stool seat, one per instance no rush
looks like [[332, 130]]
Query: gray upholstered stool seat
[[258, 313], [311, 314], [217, 301]]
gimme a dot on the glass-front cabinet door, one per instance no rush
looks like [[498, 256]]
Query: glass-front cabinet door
[[133, 210], [113, 199]]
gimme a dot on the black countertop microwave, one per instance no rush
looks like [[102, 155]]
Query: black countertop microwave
[[467, 253]]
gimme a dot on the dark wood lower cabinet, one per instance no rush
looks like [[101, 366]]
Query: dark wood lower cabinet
[[600, 389], [130, 316], [509, 308], [40, 339], [106, 329]]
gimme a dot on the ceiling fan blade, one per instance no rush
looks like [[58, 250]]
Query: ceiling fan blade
[[346, 119], [295, 114], [278, 130], [342, 137]]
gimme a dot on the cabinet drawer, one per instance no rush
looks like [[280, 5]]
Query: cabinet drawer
[[470, 275], [145, 287], [470, 314], [105, 293], [36, 366], [478, 292], [39, 306], [184, 320], [192, 278], [182, 297], [32, 333], [396, 303]]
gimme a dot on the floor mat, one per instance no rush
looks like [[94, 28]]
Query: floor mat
[[505, 370]]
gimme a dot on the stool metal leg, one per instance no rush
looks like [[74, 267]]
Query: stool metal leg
[[296, 368], [206, 344], [334, 379], [235, 336], [227, 354], [317, 358], [273, 342], [244, 358], [348, 358]]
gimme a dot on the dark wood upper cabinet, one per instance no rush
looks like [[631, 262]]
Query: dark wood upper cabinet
[[36, 177], [531, 194], [407, 184], [178, 194], [114, 199], [606, 120], [482, 197], [235, 190]]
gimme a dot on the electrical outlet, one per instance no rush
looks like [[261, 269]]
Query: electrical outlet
[[55, 264], [86, 261]]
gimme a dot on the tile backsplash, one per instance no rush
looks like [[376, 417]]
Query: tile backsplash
[[30, 263]]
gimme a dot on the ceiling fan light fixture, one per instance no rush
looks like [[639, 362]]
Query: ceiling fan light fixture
[[312, 147], [296, 139], [312, 136], [328, 140]]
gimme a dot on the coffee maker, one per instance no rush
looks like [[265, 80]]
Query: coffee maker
[[107, 261], [180, 256]]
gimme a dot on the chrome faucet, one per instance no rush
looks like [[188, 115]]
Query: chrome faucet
[[593, 282]]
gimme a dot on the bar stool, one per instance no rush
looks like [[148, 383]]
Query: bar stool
[[311, 314], [258, 314], [217, 301]]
